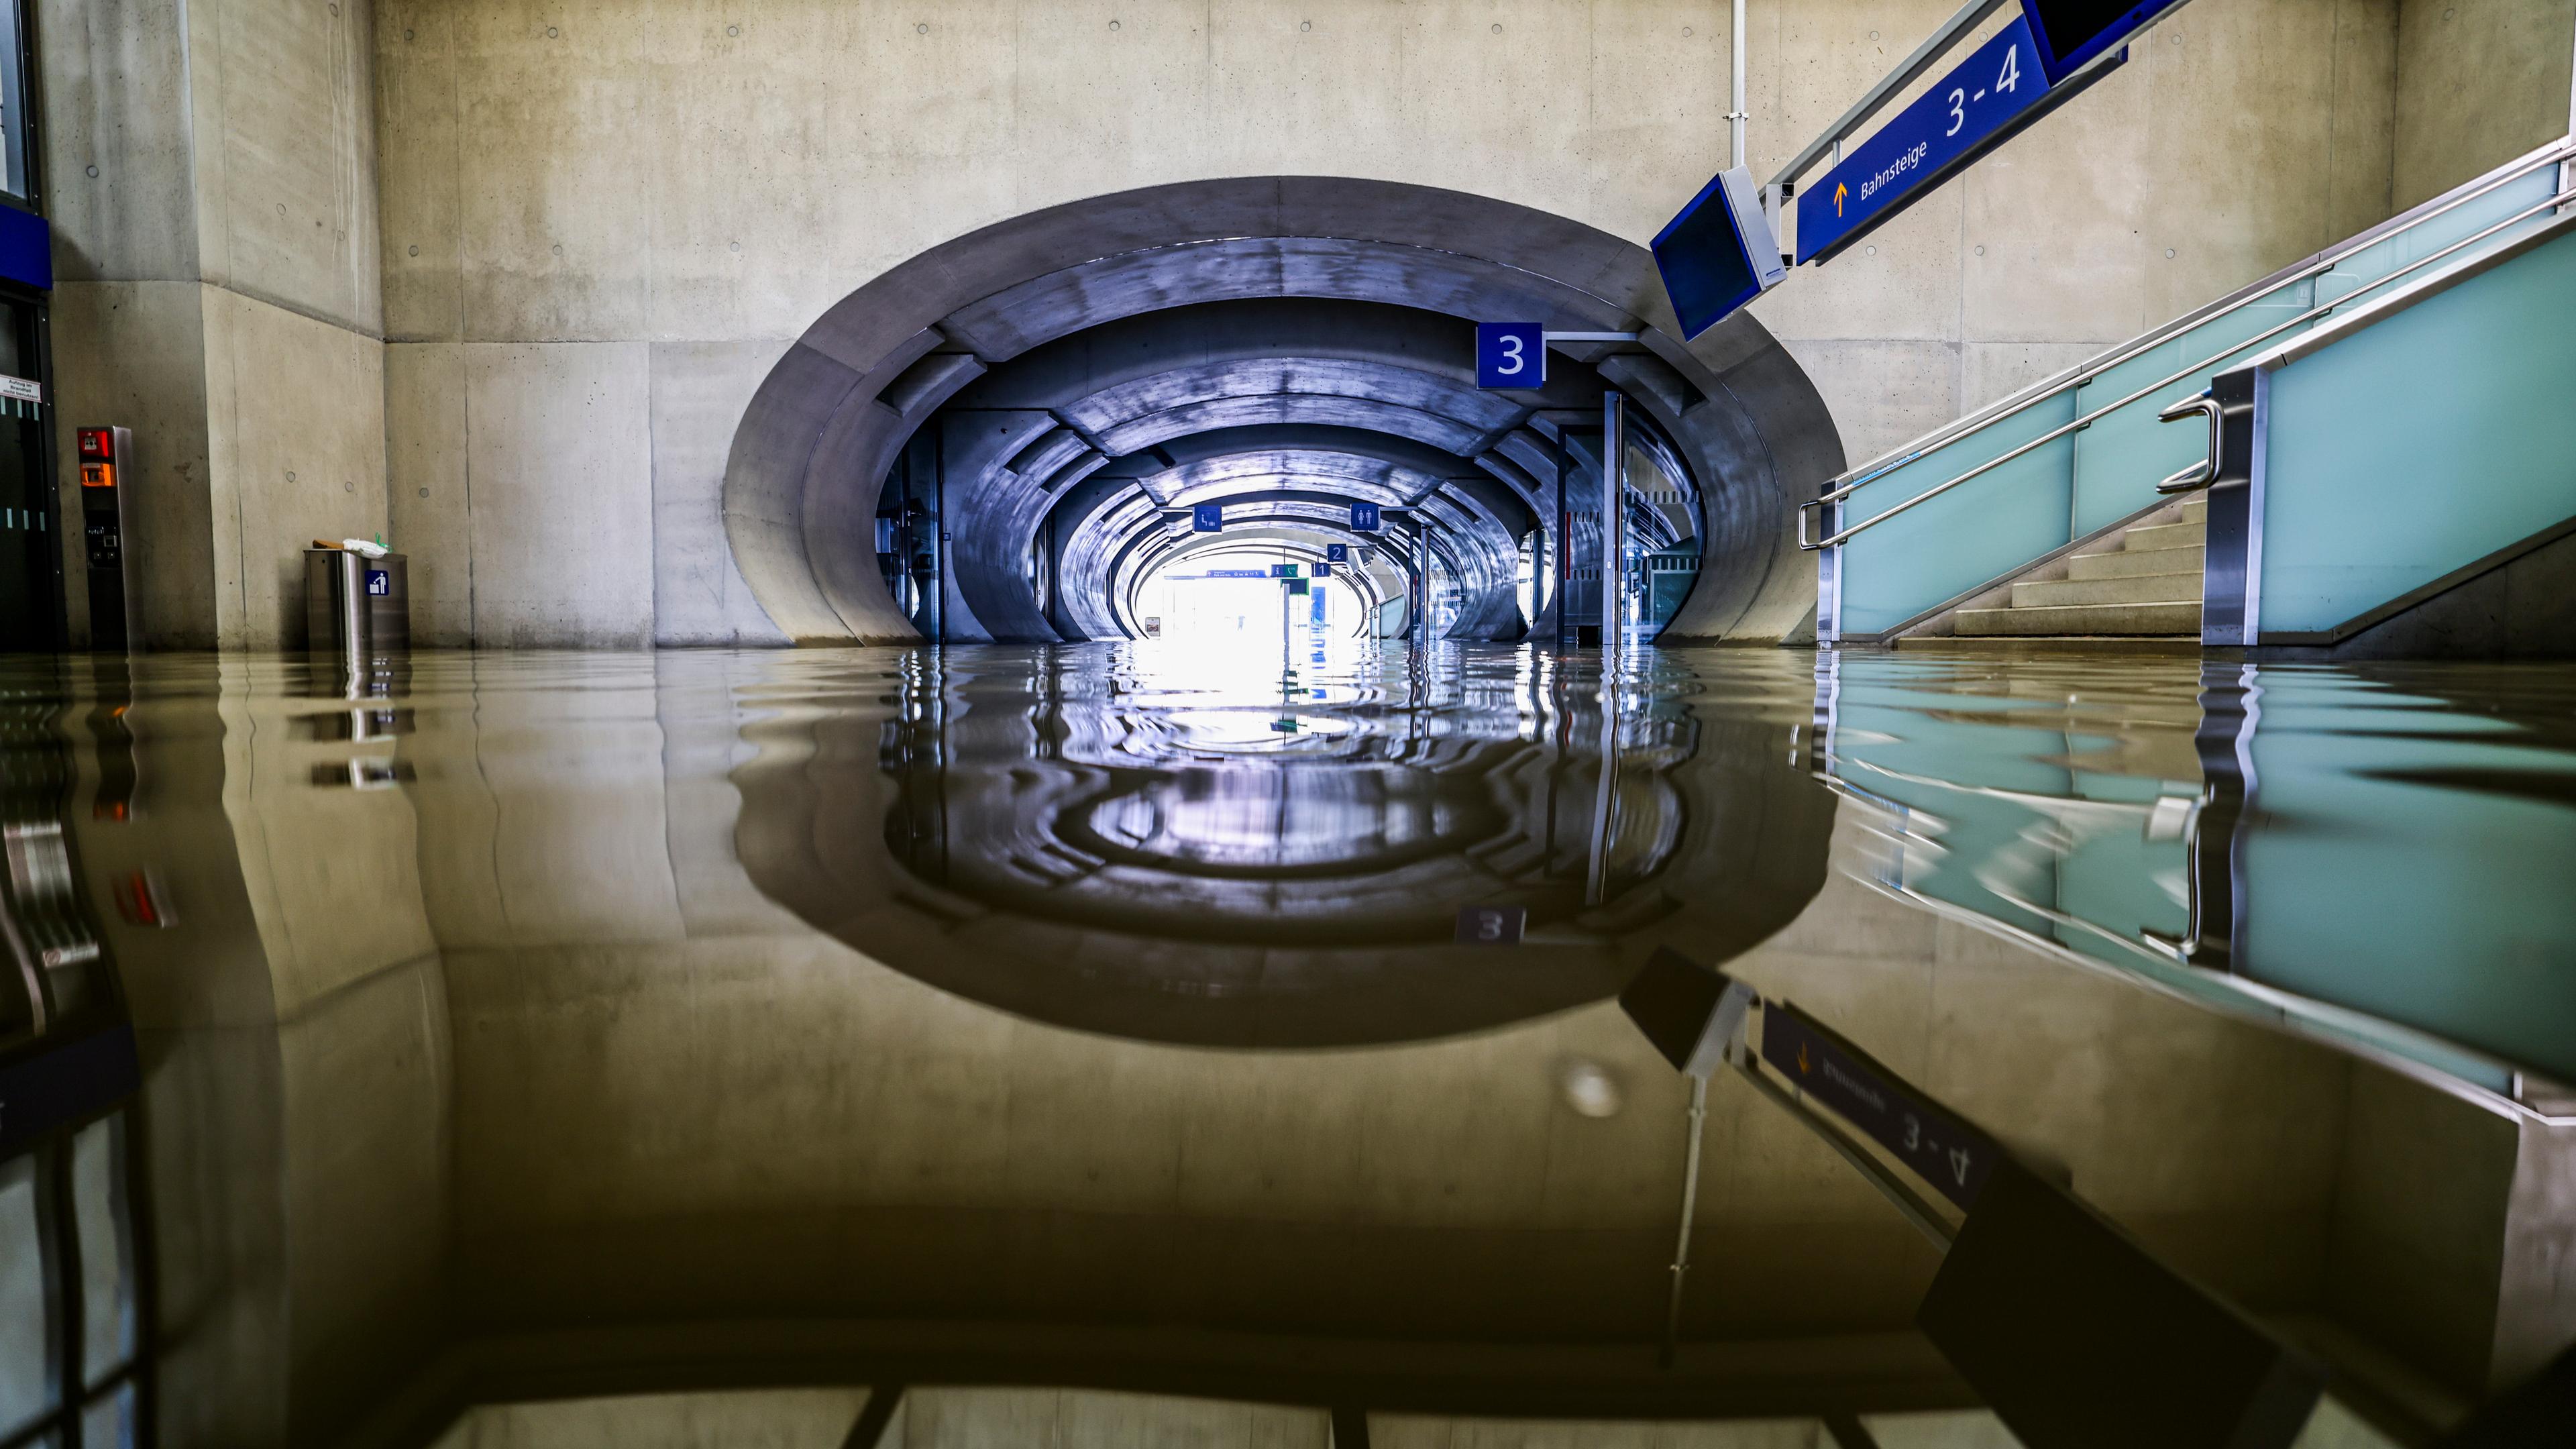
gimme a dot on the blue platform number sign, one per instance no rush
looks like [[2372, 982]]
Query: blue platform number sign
[[1511, 355], [1990, 98], [1324, 569], [1337, 553], [1364, 518], [1208, 518], [1492, 925], [1944, 1151], [380, 584]]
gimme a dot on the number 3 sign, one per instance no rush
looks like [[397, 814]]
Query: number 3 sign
[[1511, 355]]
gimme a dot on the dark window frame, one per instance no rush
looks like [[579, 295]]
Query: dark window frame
[[22, 110], [76, 1390]]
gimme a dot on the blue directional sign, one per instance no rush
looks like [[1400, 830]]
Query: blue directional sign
[[1511, 354], [1283, 571], [1208, 518], [1364, 518], [1337, 552], [2067, 33], [1987, 101], [1718, 253]]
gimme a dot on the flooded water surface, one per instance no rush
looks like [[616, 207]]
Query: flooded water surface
[[1124, 1045]]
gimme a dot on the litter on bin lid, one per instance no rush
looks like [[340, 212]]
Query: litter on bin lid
[[360, 545]]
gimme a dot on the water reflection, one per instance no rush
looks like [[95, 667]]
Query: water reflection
[[74, 1310], [556, 1028], [2379, 859], [1077, 837]]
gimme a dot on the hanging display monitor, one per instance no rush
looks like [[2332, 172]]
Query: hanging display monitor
[[2070, 32], [1719, 253]]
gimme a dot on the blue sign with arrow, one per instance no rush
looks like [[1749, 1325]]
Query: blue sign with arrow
[[1208, 518], [1364, 518], [1987, 101]]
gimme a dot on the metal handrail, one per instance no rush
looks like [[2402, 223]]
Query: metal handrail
[[1837, 495], [2554, 153], [2202, 473]]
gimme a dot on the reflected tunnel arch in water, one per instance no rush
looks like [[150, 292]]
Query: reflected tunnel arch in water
[[1062, 835], [1078, 378]]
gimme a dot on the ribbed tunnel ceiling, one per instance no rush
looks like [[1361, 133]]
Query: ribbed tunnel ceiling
[[1280, 411], [1280, 346]]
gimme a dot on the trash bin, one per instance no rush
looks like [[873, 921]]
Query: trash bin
[[357, 608]]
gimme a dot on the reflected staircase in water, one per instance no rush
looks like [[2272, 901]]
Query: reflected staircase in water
[[2143, 582]]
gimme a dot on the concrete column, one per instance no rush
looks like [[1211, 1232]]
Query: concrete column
[[211, 179]]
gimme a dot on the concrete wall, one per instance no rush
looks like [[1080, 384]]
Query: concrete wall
[[956, 1418], [740, 1419], [211, 173], [617, 216], [2479, 82]]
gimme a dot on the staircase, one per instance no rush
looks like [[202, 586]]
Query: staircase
[[1967, 532], [2147, 584]]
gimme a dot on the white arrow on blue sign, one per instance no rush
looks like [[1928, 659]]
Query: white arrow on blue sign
[[1993, 95], [1511, 355]]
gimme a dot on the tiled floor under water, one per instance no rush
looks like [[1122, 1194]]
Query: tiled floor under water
[[1112, 1045]]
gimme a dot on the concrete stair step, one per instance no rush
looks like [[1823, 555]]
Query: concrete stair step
[[2167, 535], [2123, 563], [2151, 618], [2118, 589], [2196, 510]]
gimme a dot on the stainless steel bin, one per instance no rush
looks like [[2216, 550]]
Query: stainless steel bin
[[357, 609]]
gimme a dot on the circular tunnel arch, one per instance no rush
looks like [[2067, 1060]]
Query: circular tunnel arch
[[1387, 278]]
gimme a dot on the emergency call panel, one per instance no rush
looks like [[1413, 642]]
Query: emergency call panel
[[106, 455]]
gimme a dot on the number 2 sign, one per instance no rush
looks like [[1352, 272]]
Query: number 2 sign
[[1511, 355]]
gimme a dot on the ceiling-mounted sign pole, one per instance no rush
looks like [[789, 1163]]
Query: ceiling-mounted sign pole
[[1422, 536], [1614, 477], [1735, 116], [1512, 356]]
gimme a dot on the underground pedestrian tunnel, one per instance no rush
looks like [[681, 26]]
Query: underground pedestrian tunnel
[[1007, 437]]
